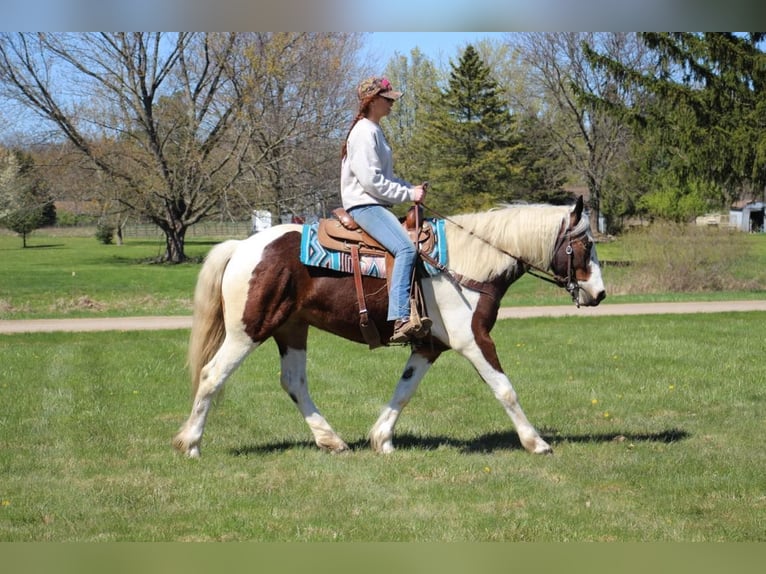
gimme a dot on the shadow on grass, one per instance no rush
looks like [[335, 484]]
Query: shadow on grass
[[491, 442], [45, 246]]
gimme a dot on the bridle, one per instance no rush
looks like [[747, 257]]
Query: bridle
[[570, 281], [566, 237]]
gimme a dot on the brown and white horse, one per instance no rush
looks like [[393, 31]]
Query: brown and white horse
[[253, 289]]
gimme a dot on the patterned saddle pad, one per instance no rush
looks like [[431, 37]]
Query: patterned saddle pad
[[315, 254]]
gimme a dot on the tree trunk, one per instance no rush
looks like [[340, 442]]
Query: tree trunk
[[594, 206], [175, 242]]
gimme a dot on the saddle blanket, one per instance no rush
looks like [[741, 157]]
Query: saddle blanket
[[316, 255]]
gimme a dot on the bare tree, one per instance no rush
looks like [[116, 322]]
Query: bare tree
[[156, 112], [592, 142], [297, 107]]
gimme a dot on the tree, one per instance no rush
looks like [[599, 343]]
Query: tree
[[705, 109], [593, 142], [471, 131], [418, 79], [24, 200], [297, 97], [154, 111]]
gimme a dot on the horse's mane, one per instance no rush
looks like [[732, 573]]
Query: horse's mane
[[475, 240]]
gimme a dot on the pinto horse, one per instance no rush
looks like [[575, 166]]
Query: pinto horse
[[253, 289]]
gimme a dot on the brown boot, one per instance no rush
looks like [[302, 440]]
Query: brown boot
[[404, 329]]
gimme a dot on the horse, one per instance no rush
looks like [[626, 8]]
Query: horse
[[254, 289]]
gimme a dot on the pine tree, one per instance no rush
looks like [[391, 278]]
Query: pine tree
[[27, 205], [471, 132], [704, 113]]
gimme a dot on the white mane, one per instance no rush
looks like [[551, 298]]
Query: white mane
[[475, 240]]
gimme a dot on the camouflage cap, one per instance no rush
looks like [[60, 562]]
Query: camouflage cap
[[377, 87]]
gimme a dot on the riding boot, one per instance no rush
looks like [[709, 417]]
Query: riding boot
[[404, 330]]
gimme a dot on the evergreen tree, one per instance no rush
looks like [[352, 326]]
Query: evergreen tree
[[471, 132], [705, 114], [27, 205]]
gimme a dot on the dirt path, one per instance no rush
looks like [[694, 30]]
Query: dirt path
[[184, 322]]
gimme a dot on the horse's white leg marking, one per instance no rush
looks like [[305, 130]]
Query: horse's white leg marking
[[294, 382], [382, 431], [212, 378], [504, 392]]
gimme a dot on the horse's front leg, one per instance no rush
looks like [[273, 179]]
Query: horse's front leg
[[484, 359], [382, 432]]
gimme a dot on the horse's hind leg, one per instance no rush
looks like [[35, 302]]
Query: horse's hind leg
[[382, 432], [212, 378], [292, 350]]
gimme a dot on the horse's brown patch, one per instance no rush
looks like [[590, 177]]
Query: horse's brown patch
[[284, 296], [484, 318]]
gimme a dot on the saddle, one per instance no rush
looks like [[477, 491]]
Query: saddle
[[342, 233]]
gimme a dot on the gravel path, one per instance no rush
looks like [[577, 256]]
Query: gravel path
[[184, 322]]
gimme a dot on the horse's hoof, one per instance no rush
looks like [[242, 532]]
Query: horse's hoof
[[335, 447], [191, 451], [537, 446]]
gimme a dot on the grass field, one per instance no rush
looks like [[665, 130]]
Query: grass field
[[657, 422], [657, 425]]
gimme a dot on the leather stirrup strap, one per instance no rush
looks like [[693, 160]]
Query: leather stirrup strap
[[368, 328]]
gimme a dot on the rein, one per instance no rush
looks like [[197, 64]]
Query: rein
[[569, 282]]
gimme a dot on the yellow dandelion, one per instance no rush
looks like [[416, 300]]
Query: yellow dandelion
[[5, 502], [594, 401], [606, 414]]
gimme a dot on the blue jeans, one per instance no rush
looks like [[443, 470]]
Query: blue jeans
[[384, 226]]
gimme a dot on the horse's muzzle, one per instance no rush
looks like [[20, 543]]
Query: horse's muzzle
[[588, 300]]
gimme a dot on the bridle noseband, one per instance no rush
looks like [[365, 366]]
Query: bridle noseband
[[570, 281]]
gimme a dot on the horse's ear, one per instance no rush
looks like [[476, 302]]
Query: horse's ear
[[576, 214]]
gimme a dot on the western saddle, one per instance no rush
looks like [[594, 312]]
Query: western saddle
[[342, 233]]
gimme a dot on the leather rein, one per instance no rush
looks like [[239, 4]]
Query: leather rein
[[569, 282]]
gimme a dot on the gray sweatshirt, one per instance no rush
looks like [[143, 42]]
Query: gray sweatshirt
[[366, 174]]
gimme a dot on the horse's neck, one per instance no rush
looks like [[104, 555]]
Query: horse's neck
[[485, 246]]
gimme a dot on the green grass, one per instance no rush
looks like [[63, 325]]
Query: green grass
[[657, 425], [79, 277]]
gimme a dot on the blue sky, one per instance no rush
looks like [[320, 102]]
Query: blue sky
[[440, 47]]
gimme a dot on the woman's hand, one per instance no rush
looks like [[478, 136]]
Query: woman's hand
[[420, 192]]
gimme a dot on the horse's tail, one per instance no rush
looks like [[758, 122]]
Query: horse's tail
[[208, 328]]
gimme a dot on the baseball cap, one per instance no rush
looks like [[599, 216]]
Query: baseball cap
[[377, 86]]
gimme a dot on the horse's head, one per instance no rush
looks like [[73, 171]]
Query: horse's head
[[575, 260]]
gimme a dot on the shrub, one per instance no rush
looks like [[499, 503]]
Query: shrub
[[668, 257], [105, 233]]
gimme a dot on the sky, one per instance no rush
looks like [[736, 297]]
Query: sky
[[439, 47]]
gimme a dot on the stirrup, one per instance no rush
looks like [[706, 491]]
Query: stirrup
[[421, 325], [424, 329]]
